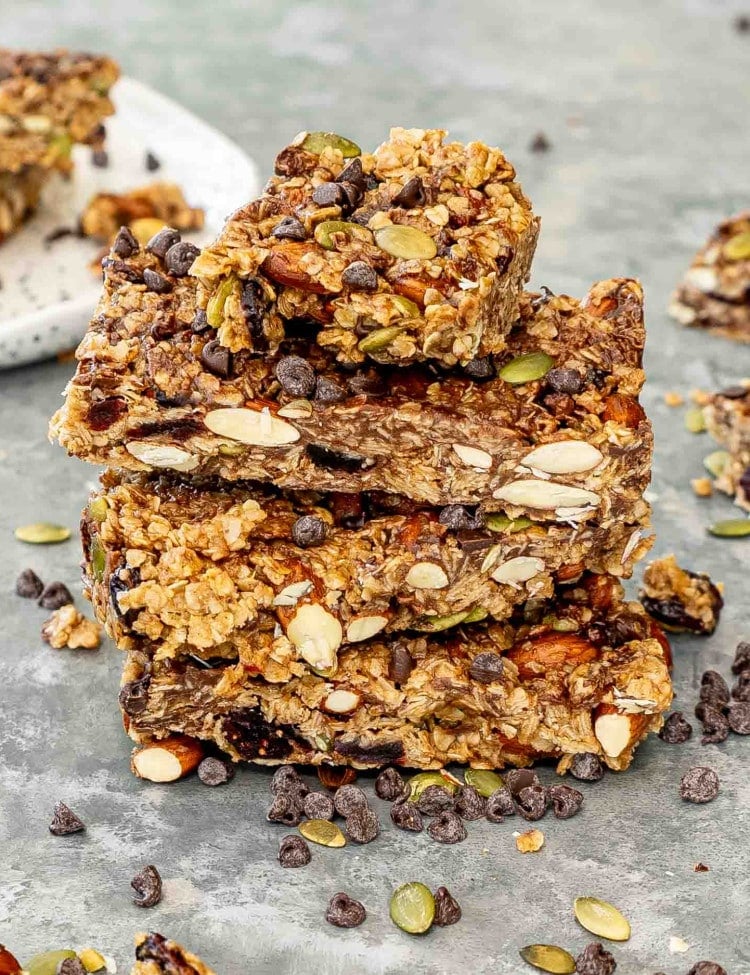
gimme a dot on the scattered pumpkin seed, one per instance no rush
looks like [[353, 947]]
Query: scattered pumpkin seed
[[413, 908], [419, 782], [695, 421], [405, 242], [731, 528], [92, 960], [526, 368], [601, 918], [322, 831], [549, 958], [483, 780], [435, 624], [476, 615], [716, 462], [379, 339], [501, 523], [407, 307], [42, 533], [215, 306], [98, 509], [737, 248], [98, 559], [318, 141], [46, 963]]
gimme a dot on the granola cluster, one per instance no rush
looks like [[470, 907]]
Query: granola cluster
[[728, 419], [149, 207], [68, 627]]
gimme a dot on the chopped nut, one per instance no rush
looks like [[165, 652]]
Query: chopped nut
[[364, 627], [426, 575], [67, 627], [702, 487], [473, 456], [316, 634], [564, 457], [545, 495], [161, 455], [255, 427], [530, 842], [167, 760], [672, 398]]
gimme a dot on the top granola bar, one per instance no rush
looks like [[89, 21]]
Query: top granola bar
[[415, 252], [48, 101]]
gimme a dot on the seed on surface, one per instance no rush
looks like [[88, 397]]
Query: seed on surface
[[483, 780], [46, 963], [526, 368], [412, 908], [601, 918], [323, 832], [294, 852], [737, 248], [92, 960], [64, 821], [447, 908], [731, 528], [344, 912], [695, 420], [549, 958], [419, 782], [716, 462], [405, 242], [316, 142], [42, 533]]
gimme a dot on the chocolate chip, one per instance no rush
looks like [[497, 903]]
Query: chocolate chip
[[286, 778], [447, 908], [200, 322], [410, 195], [152, 163], [735, 392], [294, 852], [352, 195], [486, 667], [289, 229], [147, 887], [739, 718], [348, 798], [469, 804], [70, 966], [318, 805], [286, 809], [676, 730], [328, 391], [566, 802], [714, 688], [741, 688], [389, 785], [215, 771], [328, 194], [531, 802], [447, 828], [353, 173], [217, 359], [435, 800], [540, 143], [480, 370], [587, 767], [742, 26], [125, 243], [161, 242], [309, 531], [360, 276], [55, 595], [499, 805], [400, 664], [563, 380], [29, 585], [362, 825], [699, 784], [594, 960], [156, 282], [344, 912], [741, 658], [520, 778], [337, 460], [133, 696], [456, 517], [180, 258], [297, 377], [253, 306], [406, 816], [707, 967], [100, 158], [715, 726], [64, 821]]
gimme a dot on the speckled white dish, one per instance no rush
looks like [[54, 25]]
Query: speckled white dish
[[48, 290]]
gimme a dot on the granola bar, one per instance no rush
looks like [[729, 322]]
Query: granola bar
[[551, 428], [19, 196], [680, 600], [194, 566], [715, 292], [587, 672], [728, 420], [149, 206], [157, 955], [417, 251]]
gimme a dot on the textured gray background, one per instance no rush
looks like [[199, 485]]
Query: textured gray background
[[646, 104]]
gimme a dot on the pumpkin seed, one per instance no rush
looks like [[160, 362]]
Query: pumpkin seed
[[231, 449], [501, 523], [435, 624], [731, 528], [476, 615], [98, 560], [92, 960], [407, 307], [716, 462], [42, 533], [215, 306], [62, 145], [379, 339], [601, 918], [549, 958], [695, 421], [413, 908], [322, 831], [737, 248], [318, 141], [483, 780], [405, 242], [46, 963], [98, 509], [324, 230], [526, 368], [418, 783]]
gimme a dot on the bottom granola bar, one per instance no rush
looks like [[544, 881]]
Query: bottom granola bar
[[19, 196], [587, 672], [157, 955]]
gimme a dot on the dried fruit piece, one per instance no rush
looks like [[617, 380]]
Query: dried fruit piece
[[42, 533], [526, 368], [412, 908], [731, 528], [323, 832], [147, 887], [405, 242], [316, 142], [167, 760], [64, 821], [530, 842], [601, 918], [549, 958], [344, 912], [46, 963], [294, 852], [483, 780], [564, 457], [447, 908], [258, 428]]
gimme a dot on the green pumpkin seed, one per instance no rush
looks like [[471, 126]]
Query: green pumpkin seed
[[549, 958], [413, 908], [231, 449], [381, 338], [215, 306], [501, 523], [601, 918], [323, 832], [46, 963], [476, 615], [42, 533], [407, 307], [695, 420], [737, 248], [62, 145], [316, 142], [731, 528], [716, 462], [98, 509], [526, 368], [564, 626], [419, 782], [483, 780], [324, 230], [435, 624], [98, 560], [405, 242]]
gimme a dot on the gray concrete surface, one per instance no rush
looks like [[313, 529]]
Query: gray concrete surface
[[646, 105]]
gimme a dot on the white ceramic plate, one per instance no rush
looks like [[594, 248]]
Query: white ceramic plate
[[48, 290]]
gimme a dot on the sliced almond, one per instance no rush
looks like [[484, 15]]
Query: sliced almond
[[255, 427], [341, 702], [290, 595], [364, 627], [316, 634], [564, 457], [297, 409], [520, 569], [167, 760], [545, 495], [473, 456], [705, 279], [614, 732], [426, 575], [162, 455]]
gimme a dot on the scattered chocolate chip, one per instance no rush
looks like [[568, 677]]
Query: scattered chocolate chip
[[179, 258], [70, 966], [707, 968], [217, 359], [742, 24], [566, 802], [344, 912], [152, 163], [328, 194], [215, 771], [125, 243], [54, 595], [162, 241], [29, 585], [741, 687], [531, 802], [701, 868], [156, 282], [65, 821], [480, 370], [289, 229], [699, 784], [447, 828], [200, 322], [133, 696], [739, 718], [286, 778], [294, 852], [286, 809], [676, 730], [360, 276], [486, 667], [594, 960], [435, 800], [309, 531], [406, 816], [715, 726], [389, 785], [741, 658], [564, 380], [362, 825], [147, 887], [447, 908], [499, 805], [469, 804], [410, 195], [540, 143], [520, 778], [99, 158], [297, 377], [318, 805], [714, 688], [456, 517], [348, 798], [328, 391]]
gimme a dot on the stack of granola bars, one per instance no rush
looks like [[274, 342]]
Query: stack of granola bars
[[367, 500], [48, 102]]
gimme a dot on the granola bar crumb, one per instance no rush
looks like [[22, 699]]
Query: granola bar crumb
[[702, 487], [69, 628], [530, 842], [673, 398]]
